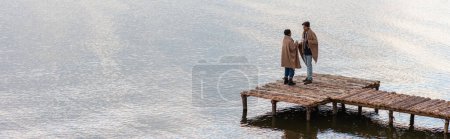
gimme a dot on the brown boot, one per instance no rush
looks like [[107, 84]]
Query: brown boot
[[285, 80]]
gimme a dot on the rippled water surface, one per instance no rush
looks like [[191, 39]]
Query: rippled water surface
[[152, 68]]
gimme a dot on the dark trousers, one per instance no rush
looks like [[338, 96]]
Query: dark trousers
[[289, 72]]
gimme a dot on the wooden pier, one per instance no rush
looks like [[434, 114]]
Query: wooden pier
[[346, 90]]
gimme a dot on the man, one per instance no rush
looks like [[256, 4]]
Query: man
[[289, 57], [309, 49]]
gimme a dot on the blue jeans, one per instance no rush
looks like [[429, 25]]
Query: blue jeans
[[308, 61], [289, 72]]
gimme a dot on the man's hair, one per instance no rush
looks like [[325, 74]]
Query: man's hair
[[306, 23], [287, 31]]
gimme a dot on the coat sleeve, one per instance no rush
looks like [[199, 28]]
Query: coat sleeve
[[293, 45], [312, 39], [300, 45]]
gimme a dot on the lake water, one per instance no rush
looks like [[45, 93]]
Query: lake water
[[133, 69]]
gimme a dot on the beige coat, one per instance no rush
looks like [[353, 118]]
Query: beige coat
[[313, 45], [289, 53]]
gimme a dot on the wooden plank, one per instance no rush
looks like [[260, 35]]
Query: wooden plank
[[437, 102], [360, 98], [413, 103], [388, 99], [269, 95], [420, 105], [339, 77], [445, 113], [325, 89], [288, 96], [378, 94], [408, 100], [438, 106], [356, 92], [443, 108], [302, 94], [426, 105], [377, 101], [341, 81], [297, 99], [287, 92], [400, 98], [295, 91], [371, 94], [347, 94], [354, 97]]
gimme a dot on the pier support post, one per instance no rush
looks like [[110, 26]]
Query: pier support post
[[446, 126], [274, 122], [411, 120], [359, 110], [391, 117], [244, 107], [244, 102], [308, 113], [274, 107], [334, 108], [316, 108], [343, 106], [377, 88]]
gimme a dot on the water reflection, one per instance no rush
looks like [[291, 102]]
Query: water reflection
[[292, 122]]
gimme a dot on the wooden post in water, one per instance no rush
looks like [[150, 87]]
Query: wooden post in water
[[359, 110], [244, 102], [308, 113], [391, 117], [334, 108], [446, 126], [244, 107], [411, 120], [376, 110], [343, 106], [274, 107]]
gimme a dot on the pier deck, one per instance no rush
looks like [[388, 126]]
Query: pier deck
[[346, 90]]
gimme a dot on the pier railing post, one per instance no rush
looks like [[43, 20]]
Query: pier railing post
[[334, 108], [274, 107], [391, 117]]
